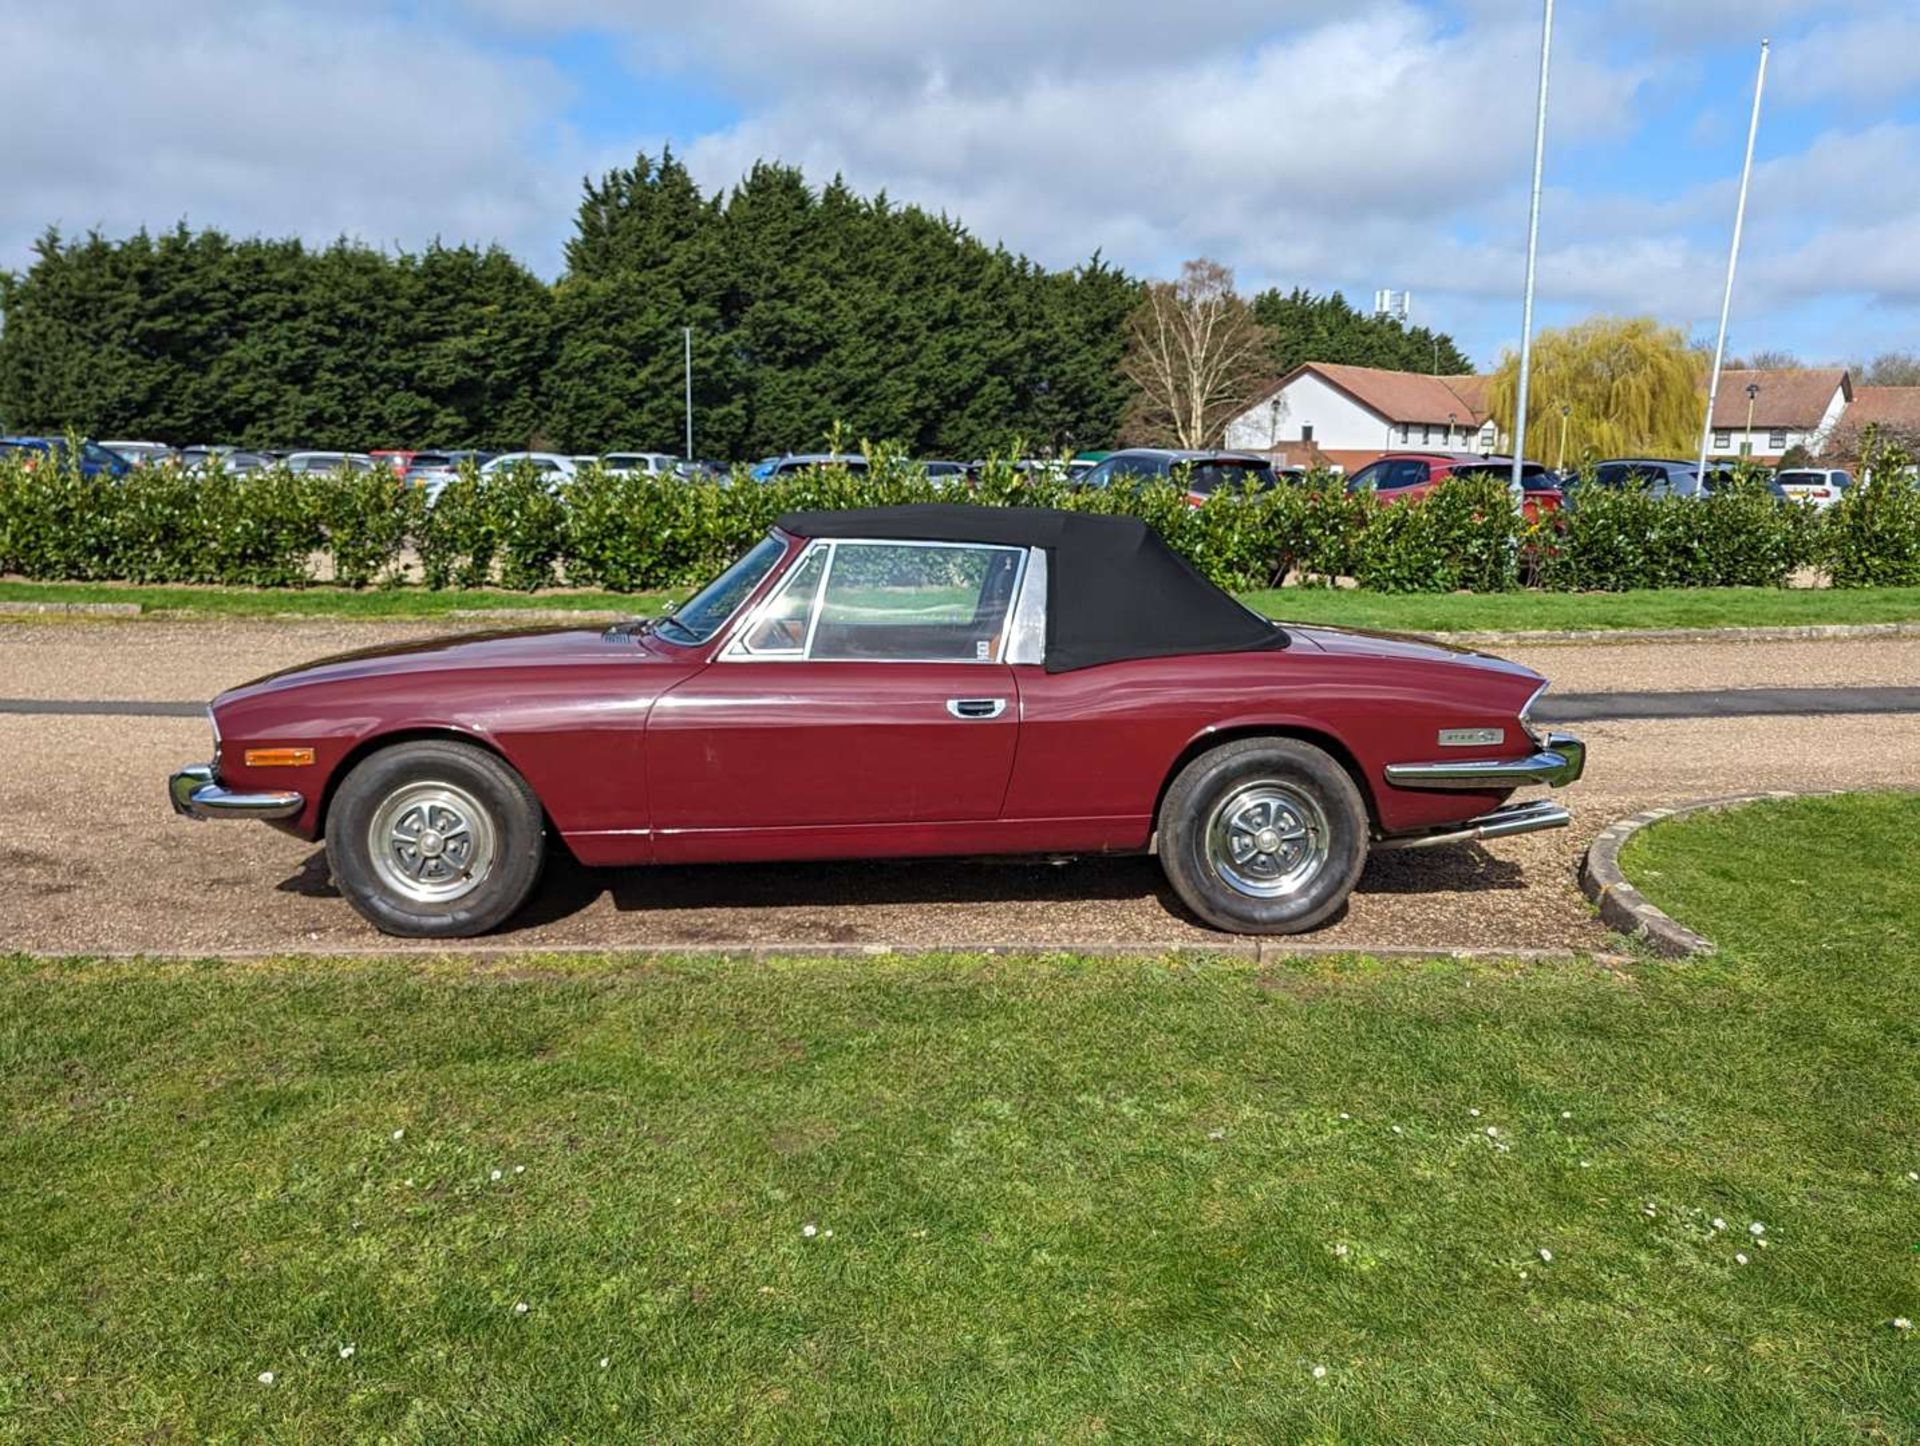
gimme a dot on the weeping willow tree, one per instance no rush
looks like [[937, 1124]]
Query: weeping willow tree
[[1620, 387]]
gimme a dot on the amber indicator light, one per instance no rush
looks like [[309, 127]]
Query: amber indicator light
[[279, 757]]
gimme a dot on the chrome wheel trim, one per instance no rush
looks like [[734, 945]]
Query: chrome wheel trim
[[1267, 839], [431, 842]]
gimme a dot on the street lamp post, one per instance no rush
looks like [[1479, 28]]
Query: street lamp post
[[1746, 446], [1566, 412], [686, 340]]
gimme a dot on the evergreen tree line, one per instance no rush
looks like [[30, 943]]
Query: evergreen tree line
[[812, 313]]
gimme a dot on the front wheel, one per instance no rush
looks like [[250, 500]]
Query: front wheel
[[435, 840], [1263, 836]]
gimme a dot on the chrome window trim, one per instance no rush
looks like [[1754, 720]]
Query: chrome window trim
[[737, 646], [819, 600], [736, 651]]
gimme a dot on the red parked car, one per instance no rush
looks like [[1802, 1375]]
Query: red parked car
[[1407, 476], [930, 680]]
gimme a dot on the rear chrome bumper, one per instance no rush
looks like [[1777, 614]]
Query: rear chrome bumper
[[196, 794], [1560, 760], [1501, 823]]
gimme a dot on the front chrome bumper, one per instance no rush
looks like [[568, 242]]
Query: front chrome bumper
[[196, 794], [1560, 760]]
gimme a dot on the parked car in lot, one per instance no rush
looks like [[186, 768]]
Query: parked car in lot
[[143, 454], [1409, 476], [554, 464], [92, 459], [1200, 473], [652, 464], [1818, 487], [1660, 476], [323, 462], [805, 462], [910, 681]]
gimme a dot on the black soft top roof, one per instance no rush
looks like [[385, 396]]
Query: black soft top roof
[[1115, 590]]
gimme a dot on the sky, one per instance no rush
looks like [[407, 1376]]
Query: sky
[[1331, 144]]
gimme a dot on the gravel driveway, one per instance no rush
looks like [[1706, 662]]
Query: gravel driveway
[[92, 859]]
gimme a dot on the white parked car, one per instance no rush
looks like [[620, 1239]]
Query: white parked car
[[653, 464], [552, 463], [1819, 487], [330, 462], [143, 454]]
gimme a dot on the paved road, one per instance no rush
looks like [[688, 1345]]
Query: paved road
[[92, 859]]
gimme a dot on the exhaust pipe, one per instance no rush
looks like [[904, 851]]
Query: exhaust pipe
[[1501, 823]]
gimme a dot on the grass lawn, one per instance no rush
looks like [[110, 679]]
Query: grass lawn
[[977, 1199], [1705, 607], [1451, 612]]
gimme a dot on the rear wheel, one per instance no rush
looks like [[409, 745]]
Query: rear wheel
[[1263, 836], [435, 840]]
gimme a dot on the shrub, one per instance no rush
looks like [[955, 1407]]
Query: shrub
[[1871, 535], [367, 518], [1614, 540], [517, 529], [1463, 534]]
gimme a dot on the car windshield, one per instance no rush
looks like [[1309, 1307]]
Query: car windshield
[[708, 610], [1206, 478], [1532, 474]]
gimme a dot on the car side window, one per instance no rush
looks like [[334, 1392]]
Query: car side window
[[781, 627], [921, 602]]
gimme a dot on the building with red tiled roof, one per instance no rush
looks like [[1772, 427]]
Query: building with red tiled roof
[[1350, 415], [1789, 408], [1897, 409]]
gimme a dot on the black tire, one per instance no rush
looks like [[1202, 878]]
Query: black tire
[[458, 894], [1277, 784]]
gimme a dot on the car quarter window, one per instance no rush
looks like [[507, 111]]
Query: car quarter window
[[780, 627], [915, 602]]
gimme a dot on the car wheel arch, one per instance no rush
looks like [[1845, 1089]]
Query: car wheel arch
[[392, 738], [1329, 743]]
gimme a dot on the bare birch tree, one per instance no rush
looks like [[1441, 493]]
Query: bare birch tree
[[1195, 355]]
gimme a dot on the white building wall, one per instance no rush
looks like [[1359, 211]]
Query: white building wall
[[1767, 442], [1339, 423]]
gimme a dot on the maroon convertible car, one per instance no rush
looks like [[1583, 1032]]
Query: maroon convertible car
[[903, 681]]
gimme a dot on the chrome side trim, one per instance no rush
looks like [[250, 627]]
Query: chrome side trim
[[195, 794], [1561, 759], [1501, 823]]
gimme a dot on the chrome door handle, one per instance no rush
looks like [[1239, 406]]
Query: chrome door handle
[[976, 707]]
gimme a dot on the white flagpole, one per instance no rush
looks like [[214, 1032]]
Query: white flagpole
[[1733, 260], [1533, 246]]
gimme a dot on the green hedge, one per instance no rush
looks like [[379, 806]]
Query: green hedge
[[630, 533]]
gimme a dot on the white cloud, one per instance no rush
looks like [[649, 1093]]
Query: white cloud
[[276, 118], [1864, 60]]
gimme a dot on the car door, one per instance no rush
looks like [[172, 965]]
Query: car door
[[868, 695]]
